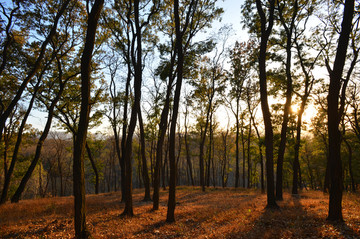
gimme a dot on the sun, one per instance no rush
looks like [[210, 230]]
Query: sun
[[309, 113], [294, 109]]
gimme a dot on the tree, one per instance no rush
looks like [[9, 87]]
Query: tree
[[81, 230], [192, 20], [57, 88], [133, 38], [252, 102], [189, 19], [144, 167], [288, 17], [335, 114], [9, 172], [186, 139], [307, 64], [35, 67], [265, 33]]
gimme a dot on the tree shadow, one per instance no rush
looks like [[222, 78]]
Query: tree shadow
[[293, 220]]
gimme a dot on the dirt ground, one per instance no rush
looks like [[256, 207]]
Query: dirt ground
[[216, 213]]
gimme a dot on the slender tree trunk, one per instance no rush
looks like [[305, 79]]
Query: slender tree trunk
[[334, 116], [161, 137], [123, 137], [188, 158], [243, 151], [296, 163], [260, 152], [170, 216], [164, 175], [289, 90], [145, 174], [249, 157], [266, 28], [201, 160], [93, 165], [8, 174], [237, 170], [61, 176], [353, 188], [81, 230], [16, 197], [137, 61]]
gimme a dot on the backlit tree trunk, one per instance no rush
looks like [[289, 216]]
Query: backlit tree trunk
[[335, 114], [265, 33]]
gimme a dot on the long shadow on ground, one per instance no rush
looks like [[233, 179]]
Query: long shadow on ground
[[292, 220]]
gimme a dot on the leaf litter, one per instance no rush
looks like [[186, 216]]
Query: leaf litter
[[216, 213]]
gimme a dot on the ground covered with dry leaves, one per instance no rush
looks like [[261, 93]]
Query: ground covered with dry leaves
[[216, 213]]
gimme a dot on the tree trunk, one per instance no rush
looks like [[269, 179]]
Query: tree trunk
[[81, 230], [334, 116], [353, 188], [265, 33], [145, 174], [16, 197], [188, 158], [243, 151], [237, 170], [170, 216], [8, 174], [93, 165], [249, 157], [161, 137], [296, 163], [123, 138]]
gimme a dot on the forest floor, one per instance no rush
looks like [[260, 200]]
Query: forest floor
[[216, 213]]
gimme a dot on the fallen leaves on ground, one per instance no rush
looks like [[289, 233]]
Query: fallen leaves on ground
[[216, 213]]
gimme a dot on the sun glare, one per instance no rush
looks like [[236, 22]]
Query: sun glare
[[309, 113], [294, 109]]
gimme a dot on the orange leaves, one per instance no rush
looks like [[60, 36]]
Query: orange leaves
[[220, 213]]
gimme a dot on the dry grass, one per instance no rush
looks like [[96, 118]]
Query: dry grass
[[217, 213]]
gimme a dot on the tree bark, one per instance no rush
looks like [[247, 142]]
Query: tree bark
[[249, 157], [335, 114], [93, 165], [265, 33], [145, 174], [81, 230], [170, 216], [188, 158], [237, 170]]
